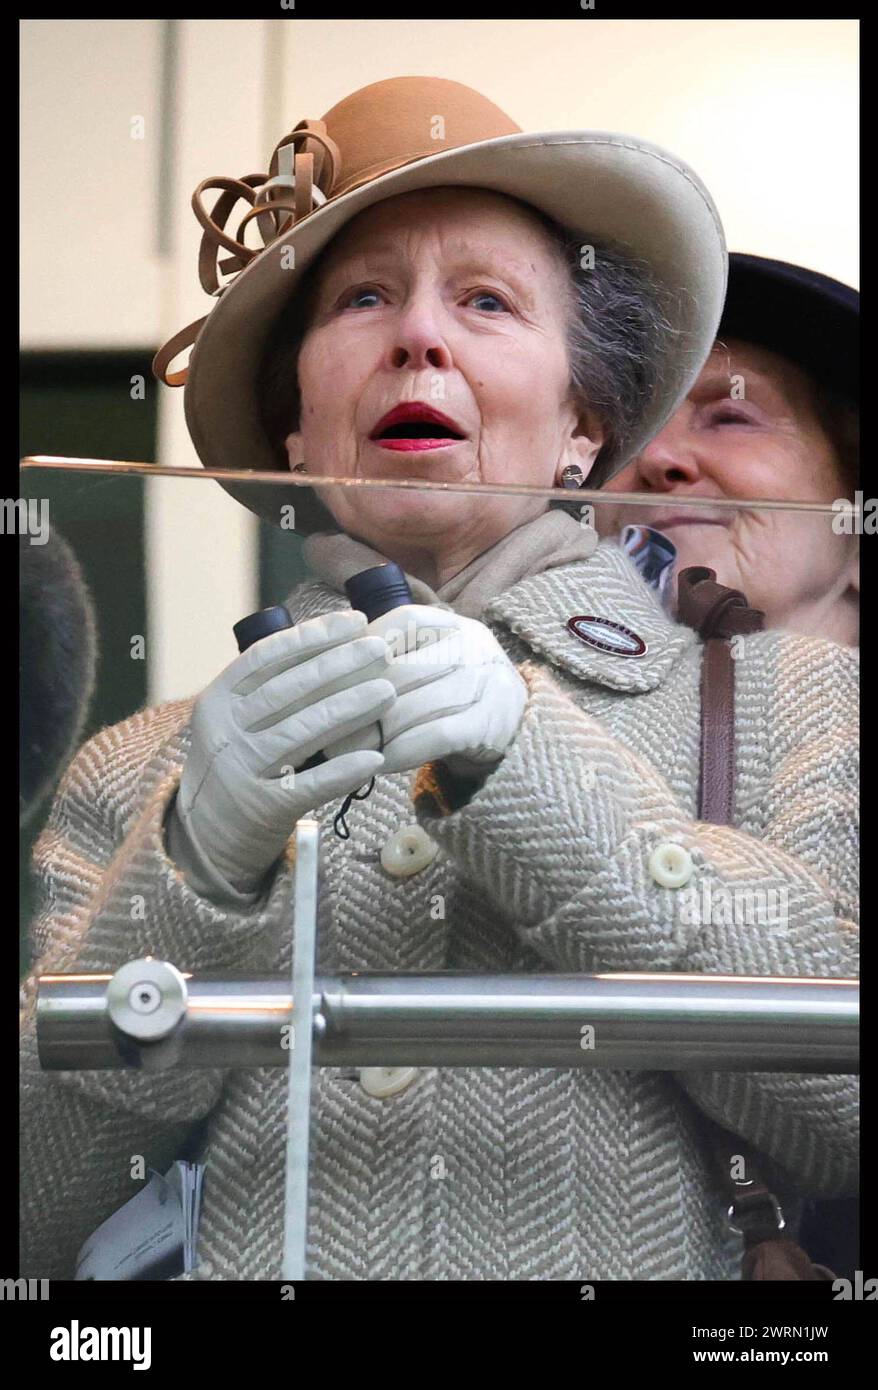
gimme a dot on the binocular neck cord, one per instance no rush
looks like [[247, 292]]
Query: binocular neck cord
[[360, 795]]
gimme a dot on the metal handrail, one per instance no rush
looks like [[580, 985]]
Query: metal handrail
[[151, 1016], [455, 1019]]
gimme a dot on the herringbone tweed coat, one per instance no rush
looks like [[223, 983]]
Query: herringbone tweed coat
[[548, 1173]]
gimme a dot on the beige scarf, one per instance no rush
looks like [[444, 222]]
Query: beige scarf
[[551, 539]]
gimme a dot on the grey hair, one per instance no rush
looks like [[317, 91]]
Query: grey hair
[[619, 337]]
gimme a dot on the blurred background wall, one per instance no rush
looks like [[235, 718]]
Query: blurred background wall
[[765, 111], [120, 121]]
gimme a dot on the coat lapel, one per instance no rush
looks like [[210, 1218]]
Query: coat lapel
[[605, 586]]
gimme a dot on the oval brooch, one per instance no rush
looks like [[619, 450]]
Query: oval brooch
[[606, 636]]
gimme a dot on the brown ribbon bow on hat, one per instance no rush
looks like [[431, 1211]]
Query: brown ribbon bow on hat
[[297, 181]]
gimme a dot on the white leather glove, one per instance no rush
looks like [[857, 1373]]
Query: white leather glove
[[459, 697], [275, 705]]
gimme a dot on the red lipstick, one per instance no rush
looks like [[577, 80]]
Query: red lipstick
[[414, 425]]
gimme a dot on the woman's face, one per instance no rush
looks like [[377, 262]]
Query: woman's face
[[749, 429], [452, 297]]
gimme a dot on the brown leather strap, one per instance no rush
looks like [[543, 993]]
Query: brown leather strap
[[716, 788], [713, 609], [755, 1212], [782, 1258], [718, 614]]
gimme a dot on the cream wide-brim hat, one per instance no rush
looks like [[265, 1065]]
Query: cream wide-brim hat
[[378, 143]]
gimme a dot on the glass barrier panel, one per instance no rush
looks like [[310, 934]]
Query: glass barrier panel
[[575, 733]]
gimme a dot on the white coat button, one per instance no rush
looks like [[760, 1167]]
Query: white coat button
[[386, 1081], [408, 851], [670, 865]]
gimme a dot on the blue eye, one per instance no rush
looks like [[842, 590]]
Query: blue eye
[[489, 294], [356, 293], [351, 296]]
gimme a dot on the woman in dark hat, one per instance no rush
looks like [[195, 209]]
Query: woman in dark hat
[[793, 335], [774, 413]]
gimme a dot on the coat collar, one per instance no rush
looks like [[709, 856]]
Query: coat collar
[[607, 585]]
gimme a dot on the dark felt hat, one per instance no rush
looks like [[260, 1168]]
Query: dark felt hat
[[807, 317]]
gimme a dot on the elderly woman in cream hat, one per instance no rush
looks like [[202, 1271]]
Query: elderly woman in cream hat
[[417, 313]]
